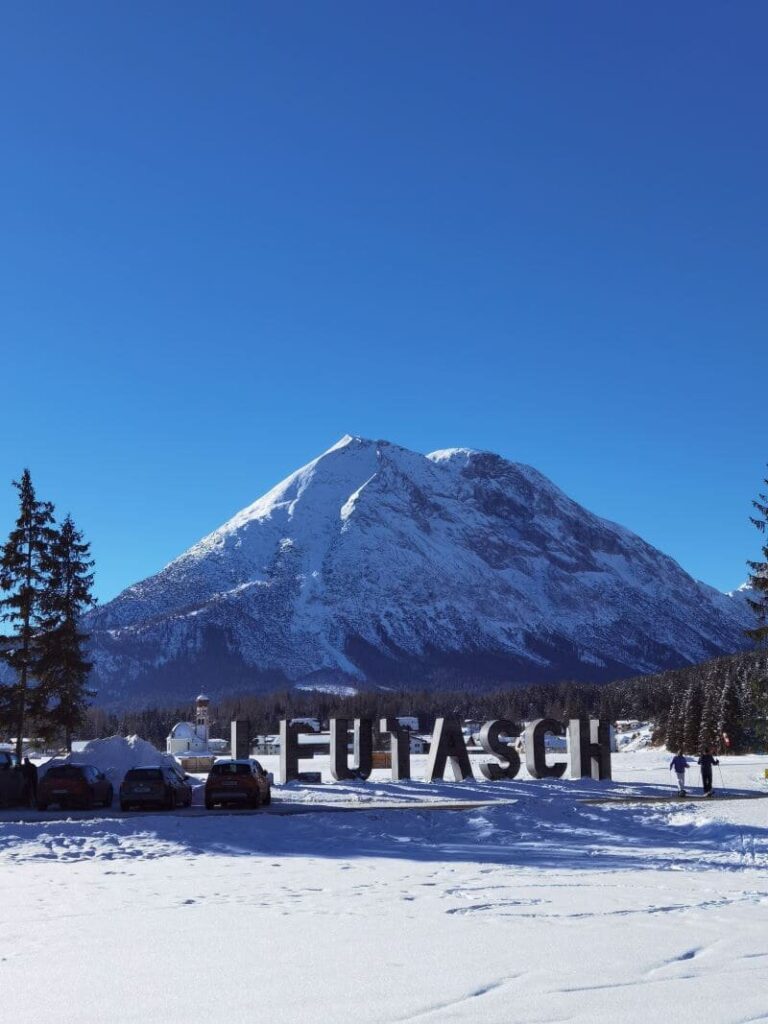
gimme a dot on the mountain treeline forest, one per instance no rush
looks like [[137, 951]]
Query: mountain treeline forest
[[692, 708], [46, 586]]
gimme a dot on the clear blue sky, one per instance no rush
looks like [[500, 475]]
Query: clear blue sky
[[233, 232]]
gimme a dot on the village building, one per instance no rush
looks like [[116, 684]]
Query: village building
[[266, 745], [191, 742]]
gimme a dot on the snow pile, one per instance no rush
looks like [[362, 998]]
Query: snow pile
[[639, 738], [116, 755]]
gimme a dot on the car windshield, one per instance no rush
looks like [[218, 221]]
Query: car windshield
[[231, 768], [144, 773], [65, 771]]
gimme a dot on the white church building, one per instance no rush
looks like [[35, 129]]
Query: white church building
[[192, 738]]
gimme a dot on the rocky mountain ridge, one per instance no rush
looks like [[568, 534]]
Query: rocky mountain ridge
[[376, 565]]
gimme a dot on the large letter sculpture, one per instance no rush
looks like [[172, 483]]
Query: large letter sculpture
[[491, 742], [363, 749], [400, 747], [589, 748], [241, 738], [291, 751], [536, 751], [448, 745]]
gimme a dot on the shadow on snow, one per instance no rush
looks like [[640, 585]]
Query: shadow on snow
[[540, 824]]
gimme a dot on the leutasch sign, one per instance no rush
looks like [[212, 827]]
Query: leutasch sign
[[589, 750]]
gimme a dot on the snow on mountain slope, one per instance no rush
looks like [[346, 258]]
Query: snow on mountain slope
[[377, 564]]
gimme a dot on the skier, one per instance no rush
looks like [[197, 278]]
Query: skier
[[679, 762], [706, 761]]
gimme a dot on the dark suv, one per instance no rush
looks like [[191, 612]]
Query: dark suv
[[70, 785], [13, 787], [155, 786], [242, 782]]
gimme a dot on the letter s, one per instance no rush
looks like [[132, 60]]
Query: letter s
[[491, 742]]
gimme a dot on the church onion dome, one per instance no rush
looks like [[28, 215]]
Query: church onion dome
[[203, 697]]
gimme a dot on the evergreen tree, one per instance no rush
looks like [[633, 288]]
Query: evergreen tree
[[758, 692], [23, 583], [674, 736], [63, 666], [731, 718], [708, 734], [758, 576], [693, 708], [607, 707]]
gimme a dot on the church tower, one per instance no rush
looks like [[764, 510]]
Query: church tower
[[202, 718]]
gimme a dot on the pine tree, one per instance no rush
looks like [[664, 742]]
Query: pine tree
[[693, 708], [23, 582], [708, 734], [758, 692], [758, 576], [674, 735], [63, 666], [731, 718]]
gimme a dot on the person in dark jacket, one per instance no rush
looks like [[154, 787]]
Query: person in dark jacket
[[29, 771], [679, 763], [706, 761]]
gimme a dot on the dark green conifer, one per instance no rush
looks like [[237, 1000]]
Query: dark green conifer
[[731, 719], [708, 734], [693, 708], [23, 583], [63, 666], [674, 735], [758, 576]]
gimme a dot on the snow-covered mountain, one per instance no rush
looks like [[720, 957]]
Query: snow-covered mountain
[[377, 565]]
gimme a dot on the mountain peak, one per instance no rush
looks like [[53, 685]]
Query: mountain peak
[[373, 563], [347, 441]]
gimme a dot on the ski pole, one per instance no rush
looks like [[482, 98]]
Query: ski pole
[[722, 780]]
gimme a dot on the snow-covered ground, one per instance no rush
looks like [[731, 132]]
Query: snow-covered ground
[[536, 907]]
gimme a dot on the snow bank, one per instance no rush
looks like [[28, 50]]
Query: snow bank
[[115, 756], [639, 738]]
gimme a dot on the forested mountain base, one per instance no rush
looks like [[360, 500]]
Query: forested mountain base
[[691, 707]]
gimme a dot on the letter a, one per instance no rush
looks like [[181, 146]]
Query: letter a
[[448, 745]]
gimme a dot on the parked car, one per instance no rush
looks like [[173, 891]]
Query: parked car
[[240, 782], [155, 786], [70, 785], [8, 760], [13, 786]]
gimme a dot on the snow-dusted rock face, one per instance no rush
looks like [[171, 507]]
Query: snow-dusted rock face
[[378, 565]]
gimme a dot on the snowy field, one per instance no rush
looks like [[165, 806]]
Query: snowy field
[[535, 908]]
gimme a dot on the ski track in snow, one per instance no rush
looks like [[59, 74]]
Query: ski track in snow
[[536, 907]]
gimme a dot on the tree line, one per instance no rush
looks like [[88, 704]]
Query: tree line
[[728, 695], [45, 587], [726, 710]]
